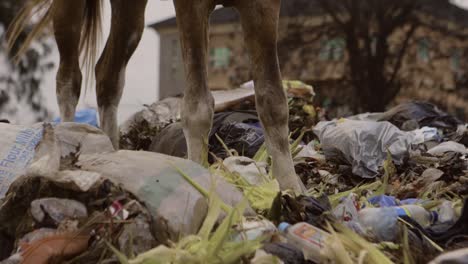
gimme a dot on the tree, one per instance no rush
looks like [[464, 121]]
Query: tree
[[366, 26], [20, 82]]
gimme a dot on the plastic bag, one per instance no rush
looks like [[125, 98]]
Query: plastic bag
[[244, 138], [138, 131], [448, 146], [459, 256], [170, 141], [176, 207], [363, 144], [239, 130], [425, 114], [17, 149], [20, 148], [84, 116]]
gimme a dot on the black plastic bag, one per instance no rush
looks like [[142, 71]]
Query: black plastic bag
[[239, 131], [425, 114], [246, 139]]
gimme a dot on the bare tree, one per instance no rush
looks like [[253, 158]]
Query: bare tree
[[366, 26]]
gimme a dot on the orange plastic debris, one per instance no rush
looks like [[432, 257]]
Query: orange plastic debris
[[62, 245]]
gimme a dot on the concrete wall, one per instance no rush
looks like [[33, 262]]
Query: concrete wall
[[172, 74], [302, 61]]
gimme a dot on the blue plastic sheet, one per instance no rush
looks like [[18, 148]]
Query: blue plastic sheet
[[386, 201], [383, 201], [84, 116]]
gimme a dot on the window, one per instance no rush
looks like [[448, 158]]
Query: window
[[455, 60], [332, 49], [220, 57], [424, 49], [174, 58]]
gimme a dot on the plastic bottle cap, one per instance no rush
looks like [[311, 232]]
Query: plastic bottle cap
[[283, 226]]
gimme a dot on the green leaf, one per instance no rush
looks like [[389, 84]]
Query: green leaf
[[211, 218]]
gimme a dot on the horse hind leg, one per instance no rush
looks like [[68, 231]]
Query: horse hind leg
[[260, 22], [67, 19], [127, 24], [198, 105]]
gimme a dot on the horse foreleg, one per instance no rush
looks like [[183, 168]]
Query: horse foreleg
[[198, 105], [260, 23], [127, 24]]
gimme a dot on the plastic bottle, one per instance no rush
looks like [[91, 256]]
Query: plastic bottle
[[308, 238], [383, 221], [251, 230], [347, 209], [418, 213]]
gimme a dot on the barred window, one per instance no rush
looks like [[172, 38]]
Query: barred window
[[220, 57], [424, 49], [332, 49]]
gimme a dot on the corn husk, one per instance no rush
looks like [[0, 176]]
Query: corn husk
[[260, 197], [335, 198], [208, 246], [357, 249]]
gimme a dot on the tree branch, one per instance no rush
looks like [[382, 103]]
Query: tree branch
[[401, 54]]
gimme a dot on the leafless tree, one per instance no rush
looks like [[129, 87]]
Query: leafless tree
[[373, 62]]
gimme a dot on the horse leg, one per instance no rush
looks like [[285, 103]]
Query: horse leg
[[198, 105], [67, 19], [260, 22], [127, 24]]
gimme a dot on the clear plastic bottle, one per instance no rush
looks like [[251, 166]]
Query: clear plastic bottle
[[308, 238], [418, 213], [383, 221], [251, 230]]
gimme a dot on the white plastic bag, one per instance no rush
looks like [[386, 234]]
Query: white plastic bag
[[177, 208], [363, 144], [21, 153]]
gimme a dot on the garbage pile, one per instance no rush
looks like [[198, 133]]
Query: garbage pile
[[382, 188], [235, 125]]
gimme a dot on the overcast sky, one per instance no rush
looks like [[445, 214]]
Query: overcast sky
[[143, 69]]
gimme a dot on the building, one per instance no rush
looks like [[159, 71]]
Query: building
[[435, 59]]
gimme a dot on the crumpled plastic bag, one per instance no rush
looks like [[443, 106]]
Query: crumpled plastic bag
[[459, 256], [84, 116], [177, 208], [246, 139], [138, 131], [363, 144], [37, 149], [247, 168], [448, 146], [239, 130], [425, 114]]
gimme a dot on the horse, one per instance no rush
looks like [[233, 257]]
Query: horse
[[76, 27]]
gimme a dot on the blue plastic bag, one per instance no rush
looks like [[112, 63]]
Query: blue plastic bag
[[84, 116], [383, 201]]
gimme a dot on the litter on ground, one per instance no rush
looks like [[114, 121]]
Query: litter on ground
[[386, 187]]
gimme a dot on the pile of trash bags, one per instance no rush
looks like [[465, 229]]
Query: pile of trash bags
[[381, 188]]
